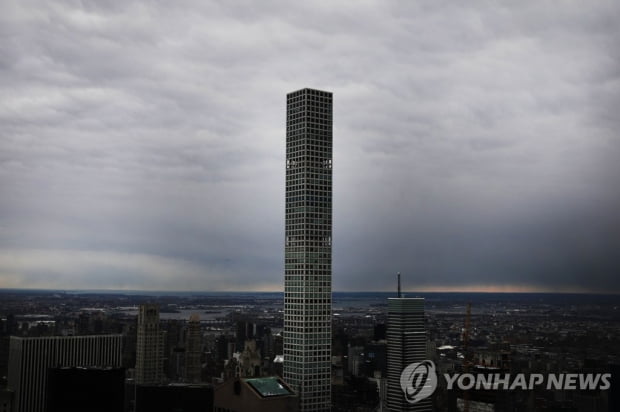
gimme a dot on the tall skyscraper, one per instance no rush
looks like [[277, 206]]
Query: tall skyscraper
[[406, 344], [30, 359], [149, 346], [308, 248], [193, 350]]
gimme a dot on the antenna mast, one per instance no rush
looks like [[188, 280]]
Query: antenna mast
[[400, 295]]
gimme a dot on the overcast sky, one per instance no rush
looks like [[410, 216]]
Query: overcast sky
[[476, 144]]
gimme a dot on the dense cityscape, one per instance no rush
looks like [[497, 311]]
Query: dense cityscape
[[241, 335]]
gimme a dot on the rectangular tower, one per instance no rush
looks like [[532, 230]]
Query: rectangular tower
[[406, 344], [308, 248], [193, 350], [149, 346], [30, 359]]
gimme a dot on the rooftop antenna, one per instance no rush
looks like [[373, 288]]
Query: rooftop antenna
[[400, 295]]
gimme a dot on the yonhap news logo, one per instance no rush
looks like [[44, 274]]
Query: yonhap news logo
[[419, 381]]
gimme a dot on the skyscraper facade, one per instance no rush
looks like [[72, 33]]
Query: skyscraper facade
[[406, 344], [308, 248], [194, 349], [149, 346], [30, 358]]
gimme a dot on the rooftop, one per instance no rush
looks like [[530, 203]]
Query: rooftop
[[268, 387]]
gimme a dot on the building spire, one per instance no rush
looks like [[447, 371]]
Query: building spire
[[400, 295]]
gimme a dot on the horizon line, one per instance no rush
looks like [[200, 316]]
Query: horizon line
[[410, 292]]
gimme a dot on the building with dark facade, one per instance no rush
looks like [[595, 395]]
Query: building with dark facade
[[6, 400], [267, 394], [308, 247], [406, 344], [176, 397], [193, 367], [30, 359], [149, 346], [85, 389]]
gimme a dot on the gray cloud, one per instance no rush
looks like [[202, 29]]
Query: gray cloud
[[476, 145]]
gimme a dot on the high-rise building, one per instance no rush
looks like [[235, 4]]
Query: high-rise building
[[308, 248], [175, 397], [85, 389], [266, 394], [30, 359], [406, 344], [193, 351], [149, 346]]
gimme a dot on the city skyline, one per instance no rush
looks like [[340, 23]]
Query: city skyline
[[141, 145]]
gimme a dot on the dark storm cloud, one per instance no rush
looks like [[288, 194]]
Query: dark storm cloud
[[476, 144]]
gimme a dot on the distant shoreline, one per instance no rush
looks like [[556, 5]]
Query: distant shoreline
[[266, 294]]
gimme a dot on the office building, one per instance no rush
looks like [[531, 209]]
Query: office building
[[6, 400], [149, 346], [175, 397], [30, 359], [308, 248], [86, 389], [406, 344], [193, 366], [267, 394]]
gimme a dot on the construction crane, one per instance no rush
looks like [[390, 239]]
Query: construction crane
[[466, 354]]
